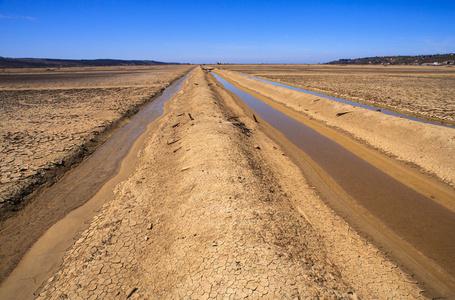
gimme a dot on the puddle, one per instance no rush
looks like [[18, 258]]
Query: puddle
[[419, 220], [384, 111]]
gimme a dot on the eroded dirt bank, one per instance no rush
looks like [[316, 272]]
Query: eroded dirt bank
[[215, 209], [430, 147]]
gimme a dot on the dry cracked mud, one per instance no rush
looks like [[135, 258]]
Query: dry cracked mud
[[215, 209]]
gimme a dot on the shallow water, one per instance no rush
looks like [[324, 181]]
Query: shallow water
[[88, 177], [422, 222]]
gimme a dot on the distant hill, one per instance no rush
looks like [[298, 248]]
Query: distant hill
[[435, 59], [6, 62]]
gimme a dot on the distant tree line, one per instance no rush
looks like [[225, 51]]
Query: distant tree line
[[434, 59], [6, 62]]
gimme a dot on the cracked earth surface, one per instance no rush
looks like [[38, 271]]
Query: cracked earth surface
[[216, 210]]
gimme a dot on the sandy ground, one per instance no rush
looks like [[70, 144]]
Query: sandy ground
[[50, 121], [414, 90], [430, 147], [216, 209]]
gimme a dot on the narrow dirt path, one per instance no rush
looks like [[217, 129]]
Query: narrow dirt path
[[215, 209]]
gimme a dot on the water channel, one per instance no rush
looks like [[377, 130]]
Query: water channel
[[84, 189], [423, 223], [384, 111]]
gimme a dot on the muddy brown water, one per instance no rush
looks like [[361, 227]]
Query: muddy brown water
[[87, 186], [86, 179], [423, 223]]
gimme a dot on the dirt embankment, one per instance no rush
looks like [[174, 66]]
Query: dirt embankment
[[430, 147], [216, 209], [422, 91], [52, 120]]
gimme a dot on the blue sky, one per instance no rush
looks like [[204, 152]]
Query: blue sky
[[225, 31]]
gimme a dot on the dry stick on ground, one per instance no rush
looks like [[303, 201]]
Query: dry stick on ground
[[131, 292], [173, 141]]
